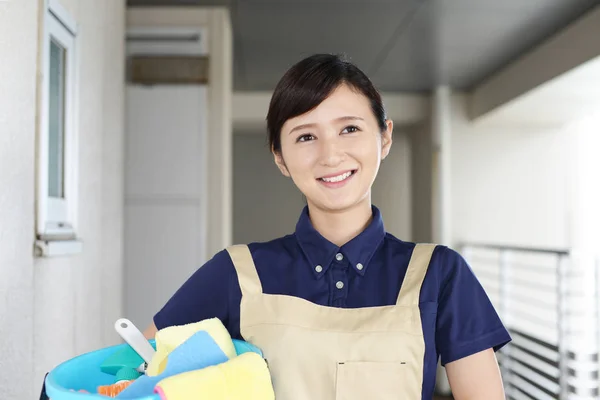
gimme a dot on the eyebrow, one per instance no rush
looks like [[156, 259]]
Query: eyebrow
[[346, 118]]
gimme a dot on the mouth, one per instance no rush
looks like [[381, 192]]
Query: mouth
[[338, 179]]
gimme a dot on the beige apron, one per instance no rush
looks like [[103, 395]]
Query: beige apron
[[324, 353]]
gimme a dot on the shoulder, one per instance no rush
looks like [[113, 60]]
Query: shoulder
[[261, 252], [441, 254], [446, 263], [284, 246], [448, 270], [392, 243], [467, 321], [452, 266], [260, 249]]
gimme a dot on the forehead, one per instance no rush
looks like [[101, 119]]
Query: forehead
[[343, 102]]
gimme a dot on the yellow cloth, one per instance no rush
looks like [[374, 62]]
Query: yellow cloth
[[168, 339], [245, 377]]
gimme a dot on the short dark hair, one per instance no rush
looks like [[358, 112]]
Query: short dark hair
[[310, 81]]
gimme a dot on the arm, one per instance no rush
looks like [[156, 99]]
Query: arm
[[206, 294], [476, 377], [150, 331], [468, 332]]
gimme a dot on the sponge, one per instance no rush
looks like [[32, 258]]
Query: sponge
[[198, 352], [168, 339], [244, 377]]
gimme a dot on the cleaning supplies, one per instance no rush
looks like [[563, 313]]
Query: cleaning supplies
[[130, 362], [135, 338], [114, 389], [84, 372], [123, 378], [197, 352], [245, 377], [167, 339], [123, 364]]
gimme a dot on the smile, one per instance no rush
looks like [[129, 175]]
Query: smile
[[336, 179]]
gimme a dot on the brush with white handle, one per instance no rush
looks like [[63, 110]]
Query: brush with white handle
[[135, 338]]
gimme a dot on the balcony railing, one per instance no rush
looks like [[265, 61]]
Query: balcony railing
[[550, 302]]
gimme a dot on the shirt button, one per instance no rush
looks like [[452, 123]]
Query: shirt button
[[359, 266], [318, 268], [339, 285], [339, 257]]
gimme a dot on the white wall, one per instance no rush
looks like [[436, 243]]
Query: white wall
[[18, 30], [509, 185], [53, 309], [165, 193], [526, 187], [267, 205], [220, 47], [179, 183], [113, 134]]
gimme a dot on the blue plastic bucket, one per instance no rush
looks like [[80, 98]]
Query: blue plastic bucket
[[83, 373]]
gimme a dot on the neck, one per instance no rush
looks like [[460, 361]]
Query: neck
[[341, 227]]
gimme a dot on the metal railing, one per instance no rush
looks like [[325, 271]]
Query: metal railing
[[549, 299]]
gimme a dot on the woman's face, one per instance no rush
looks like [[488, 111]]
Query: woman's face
[[333, 152]]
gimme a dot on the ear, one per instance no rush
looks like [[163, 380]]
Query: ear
[[386, 139], [280, 162]]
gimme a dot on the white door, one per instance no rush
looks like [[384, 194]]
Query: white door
[[165, 203]]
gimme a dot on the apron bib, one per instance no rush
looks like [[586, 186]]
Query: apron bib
[[329, 353]]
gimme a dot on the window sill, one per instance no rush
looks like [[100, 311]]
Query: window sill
[[57, 248]]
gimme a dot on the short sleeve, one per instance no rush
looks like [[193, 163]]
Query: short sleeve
[[206, 294], [467, 322]]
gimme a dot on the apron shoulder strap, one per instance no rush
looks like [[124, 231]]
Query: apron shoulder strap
[[415, 274], [245, 268]]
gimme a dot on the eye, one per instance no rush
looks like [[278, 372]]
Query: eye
[[305, 138], [351, 129]]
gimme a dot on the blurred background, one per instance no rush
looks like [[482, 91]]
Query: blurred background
[[133, 148]]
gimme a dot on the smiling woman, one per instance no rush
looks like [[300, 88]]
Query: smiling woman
[[341, 308], [332, 153]]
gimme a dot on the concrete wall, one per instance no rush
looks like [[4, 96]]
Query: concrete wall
[[52, 309], [392, 191], [267, 205], [421, 182]]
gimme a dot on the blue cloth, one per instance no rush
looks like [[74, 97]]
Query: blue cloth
[[197, 352], [457, 316]]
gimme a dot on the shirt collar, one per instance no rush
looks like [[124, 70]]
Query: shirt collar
[[321, 252]]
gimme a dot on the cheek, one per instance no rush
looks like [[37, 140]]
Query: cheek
[[369, 153], [299, 161]]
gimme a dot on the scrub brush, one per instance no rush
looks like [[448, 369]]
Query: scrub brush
[[114, 389]]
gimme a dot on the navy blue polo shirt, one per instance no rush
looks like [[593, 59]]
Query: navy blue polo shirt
[[457, 316]]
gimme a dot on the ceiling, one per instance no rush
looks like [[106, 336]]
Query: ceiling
[[403, 45]]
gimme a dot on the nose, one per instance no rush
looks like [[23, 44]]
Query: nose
[[331, 151]]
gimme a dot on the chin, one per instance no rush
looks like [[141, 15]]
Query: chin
[[338, 205]]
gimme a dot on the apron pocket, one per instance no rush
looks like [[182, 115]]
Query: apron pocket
[[360, 380]]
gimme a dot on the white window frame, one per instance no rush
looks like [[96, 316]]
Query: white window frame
[[57, 217]]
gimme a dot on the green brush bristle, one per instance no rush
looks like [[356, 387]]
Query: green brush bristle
[[127, 374]]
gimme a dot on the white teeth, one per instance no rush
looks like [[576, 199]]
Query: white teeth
[[338, 178]]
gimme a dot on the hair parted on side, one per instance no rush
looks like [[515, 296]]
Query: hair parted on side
[[310, 81]]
